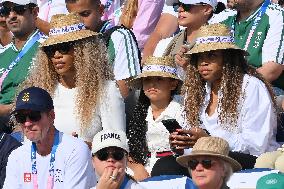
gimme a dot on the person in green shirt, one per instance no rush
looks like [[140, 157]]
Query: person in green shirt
[[258, 28], [16, 58]]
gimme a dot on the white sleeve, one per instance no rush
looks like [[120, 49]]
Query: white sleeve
[[126, 60], [79, 172], [273, 46], [112, 109], [258, 121], [12, 172]]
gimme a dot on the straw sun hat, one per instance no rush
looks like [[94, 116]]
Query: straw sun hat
[[66, 28], [157, 67], [210, 146], [214, 37]]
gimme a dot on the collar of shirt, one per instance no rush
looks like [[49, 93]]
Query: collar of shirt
[[168, 113]]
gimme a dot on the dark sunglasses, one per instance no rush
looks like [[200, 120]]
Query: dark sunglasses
[[186, 7], [206, 163], [62, 48], [18, 9], [104, 154], [34, 116]]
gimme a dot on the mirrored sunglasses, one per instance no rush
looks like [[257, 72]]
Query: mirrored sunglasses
[[206, 163], [18, 9], [104, 154], [62, 48], [21, 117]]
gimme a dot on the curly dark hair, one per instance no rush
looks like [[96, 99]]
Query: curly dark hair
[[234, 68]]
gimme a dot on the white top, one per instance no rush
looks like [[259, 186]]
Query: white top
[[110, 112], [130, 185], [256, 130], [47, 11], [123, 53], [157, 135], [72, 168]]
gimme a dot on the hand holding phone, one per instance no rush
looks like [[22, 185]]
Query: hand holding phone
[[171, 125]]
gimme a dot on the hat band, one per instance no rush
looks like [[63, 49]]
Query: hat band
[[196, 152], [160, 68], [67, 29], [215, 39]]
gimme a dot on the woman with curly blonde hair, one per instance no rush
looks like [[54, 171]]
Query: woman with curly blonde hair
[[72, 66], [225, 97]]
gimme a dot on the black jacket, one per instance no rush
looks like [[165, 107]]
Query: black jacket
[[7, 145]]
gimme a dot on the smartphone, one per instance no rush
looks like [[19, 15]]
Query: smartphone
[[171, 125]]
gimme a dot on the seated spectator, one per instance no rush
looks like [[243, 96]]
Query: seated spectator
[[110, 152], [272, 160], [123, 52], [16, 58], [209, 163], [7, 145], [73, 67], [258, 28], [148, 137], [191, 15], [225, 97], [49, 159]]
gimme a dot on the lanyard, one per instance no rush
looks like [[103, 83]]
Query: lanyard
[[255, 22], [24, 50], [51, 162], [124, 183]]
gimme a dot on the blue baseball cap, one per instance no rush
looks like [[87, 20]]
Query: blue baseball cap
[[35, 99]]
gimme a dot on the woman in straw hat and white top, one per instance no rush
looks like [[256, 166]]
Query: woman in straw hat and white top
[[110, 152], [72, 66], [226, 97], [148, 137], [209, 163]]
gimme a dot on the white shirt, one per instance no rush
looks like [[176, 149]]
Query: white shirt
[[157, 135], [72, 168], [256, 126], [109, 114]]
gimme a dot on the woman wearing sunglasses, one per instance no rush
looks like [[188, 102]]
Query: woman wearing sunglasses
[[72, 66], [209, 163], [110, 152], [226, 98], [192, 14]]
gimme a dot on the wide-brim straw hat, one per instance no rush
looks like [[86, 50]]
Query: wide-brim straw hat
[[156, 67], [66, 28], [210, 146], [214, 37]]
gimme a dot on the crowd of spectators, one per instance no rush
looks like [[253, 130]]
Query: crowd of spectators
[[108, 93]]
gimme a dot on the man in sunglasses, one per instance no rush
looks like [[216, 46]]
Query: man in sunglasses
[[110, 153], [48, 158], [209, 163], [20, 17]]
